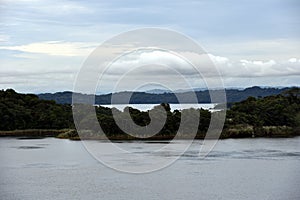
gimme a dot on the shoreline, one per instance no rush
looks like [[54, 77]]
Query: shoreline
[[33, 133], [230, 133]]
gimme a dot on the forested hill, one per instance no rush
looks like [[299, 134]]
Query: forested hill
[[27, 111], [233, 95]]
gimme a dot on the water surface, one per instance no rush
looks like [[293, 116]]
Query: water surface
[[236, 169], [145, 107]]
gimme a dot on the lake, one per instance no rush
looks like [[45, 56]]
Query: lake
[[145, 107], [50, 168]]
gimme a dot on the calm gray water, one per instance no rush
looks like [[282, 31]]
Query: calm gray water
[[145, 107], [236, 169]]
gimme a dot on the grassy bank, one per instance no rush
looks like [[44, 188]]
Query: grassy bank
[[240, 131], [33, 133], [246, 131]]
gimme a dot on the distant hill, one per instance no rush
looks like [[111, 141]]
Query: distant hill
[[233, 95], [157, 91]]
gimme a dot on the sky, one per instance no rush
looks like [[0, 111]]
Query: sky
[[43, 44]]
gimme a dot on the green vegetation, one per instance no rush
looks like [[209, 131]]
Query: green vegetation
[[271, 116], [27, 111]]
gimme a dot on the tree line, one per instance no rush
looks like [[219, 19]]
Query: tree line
[[243, 119]]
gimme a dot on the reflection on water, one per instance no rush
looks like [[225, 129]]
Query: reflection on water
[[236, 169], [29, 147], [30, 138]]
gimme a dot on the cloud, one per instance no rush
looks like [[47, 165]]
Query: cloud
[[58, 74], [50, 7], [294, 60], [245, 41], [130, 71], [259, 68], [4, 38], [154, 62], [54, 48], [218, 59], [262, 49]]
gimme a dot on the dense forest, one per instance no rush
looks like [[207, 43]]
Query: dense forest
[[276, 115], [27, 111]]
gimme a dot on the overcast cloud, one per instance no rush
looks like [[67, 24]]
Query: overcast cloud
[[43, 44]]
